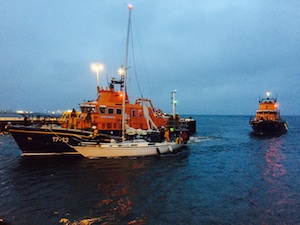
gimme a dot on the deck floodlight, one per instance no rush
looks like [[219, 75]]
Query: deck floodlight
[[97, 67]]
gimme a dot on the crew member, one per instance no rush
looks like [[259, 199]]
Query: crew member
[[95, 131], [73, 118], [88, 118], [167, 135]]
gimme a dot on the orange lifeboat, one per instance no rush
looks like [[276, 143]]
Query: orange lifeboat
[[267, 120]]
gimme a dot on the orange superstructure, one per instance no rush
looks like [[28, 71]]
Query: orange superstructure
[[106, 113], [267, 110]]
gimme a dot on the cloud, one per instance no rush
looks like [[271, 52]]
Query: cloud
[[216, 54]]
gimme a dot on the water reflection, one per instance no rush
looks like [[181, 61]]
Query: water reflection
[[122, 187], [75, 190], [278, 198], [117, 194], [275, 158], [83, 191]]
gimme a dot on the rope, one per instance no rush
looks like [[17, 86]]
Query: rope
[[134, 65]]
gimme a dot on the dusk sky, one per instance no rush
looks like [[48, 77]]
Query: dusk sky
[[220, 56]]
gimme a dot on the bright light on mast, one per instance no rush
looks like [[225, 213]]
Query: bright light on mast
[[121, 71]]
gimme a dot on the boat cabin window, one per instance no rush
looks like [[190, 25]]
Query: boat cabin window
[[133, 113], [119, 111], [102, 109], [110, 110], [86, 109]]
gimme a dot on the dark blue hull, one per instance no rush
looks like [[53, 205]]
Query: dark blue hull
[[48, 141], [266, 127]]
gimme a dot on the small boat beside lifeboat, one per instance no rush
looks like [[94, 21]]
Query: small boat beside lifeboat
[[131, 148], [267, 120]]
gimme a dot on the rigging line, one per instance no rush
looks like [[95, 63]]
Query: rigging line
[[135, 72], [107, 79], [144, 66]]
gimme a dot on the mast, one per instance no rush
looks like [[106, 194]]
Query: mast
[[124, 74]]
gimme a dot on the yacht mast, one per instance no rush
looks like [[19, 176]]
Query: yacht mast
[[124, 75]]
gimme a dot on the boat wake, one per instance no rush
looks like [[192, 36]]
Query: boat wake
[[198, 139]]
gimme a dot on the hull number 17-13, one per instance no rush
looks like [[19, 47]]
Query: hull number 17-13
[[60, 139]]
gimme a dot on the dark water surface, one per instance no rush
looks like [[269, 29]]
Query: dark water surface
[[224, 176]]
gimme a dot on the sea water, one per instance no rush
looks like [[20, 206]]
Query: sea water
[[225, 176]]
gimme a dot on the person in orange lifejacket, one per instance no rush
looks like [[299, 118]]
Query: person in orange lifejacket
[[95, 131], [167, 135], [73, 118]]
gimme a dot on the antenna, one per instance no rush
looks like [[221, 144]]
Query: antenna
[[174, 102]]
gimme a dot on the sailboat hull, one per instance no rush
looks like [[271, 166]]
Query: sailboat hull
[[128, 149]]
